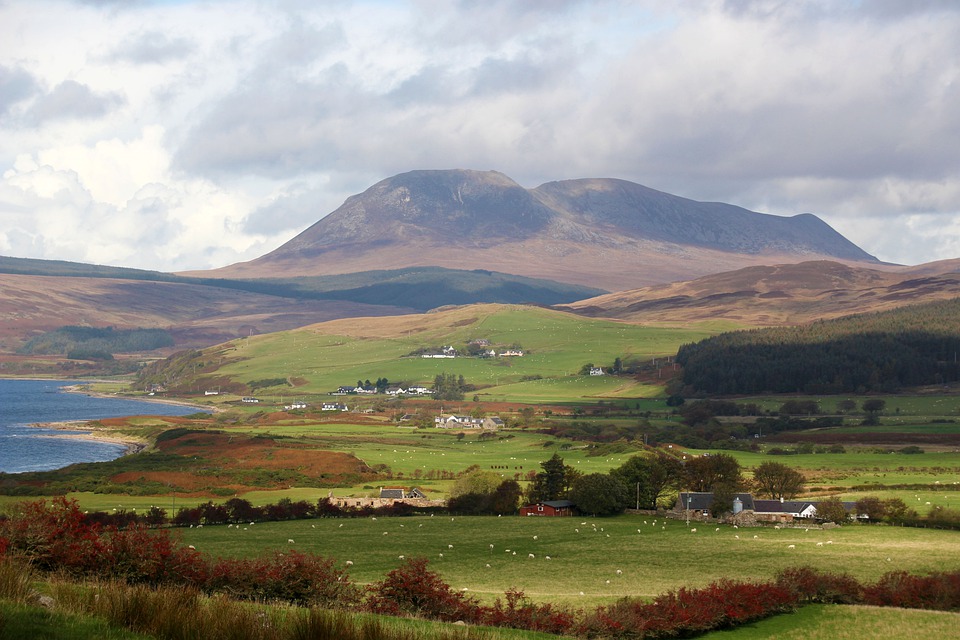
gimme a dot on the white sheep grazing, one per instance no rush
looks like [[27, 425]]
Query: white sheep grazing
[[829, 541], [776, 526], [449, 546], [717, 529], [736, 537], [506, 550], [791, 546], [577, 530], [341, 526], [819, 544], [374, 519], [191, 547], [491, 547], [531, 556], [547, 557], [488, 566], [289, 540], [694, 530], [608, 582], [349, 563], [385, 532], [619, 572], [514, 553], [735, 527], [401, 558], [313, 526], [755, 537], [534, 537], [441, 555]]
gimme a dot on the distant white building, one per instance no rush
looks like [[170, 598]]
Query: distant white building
[[596, 371]]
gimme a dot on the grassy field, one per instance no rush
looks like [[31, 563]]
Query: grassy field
[[323, 357], [585, 553], [839, 622]]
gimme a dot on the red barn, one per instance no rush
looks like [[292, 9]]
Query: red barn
[[548, 508]]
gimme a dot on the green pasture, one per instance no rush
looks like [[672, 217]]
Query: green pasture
[[844, 622], [407, 450], [931, 405], [557, 345], [586, 553]]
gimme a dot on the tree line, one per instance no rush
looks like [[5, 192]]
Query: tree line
[[883, 351]]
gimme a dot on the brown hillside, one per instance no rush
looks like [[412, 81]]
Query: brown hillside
[[781, 294], [197, 315]]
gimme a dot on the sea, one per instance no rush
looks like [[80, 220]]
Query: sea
[[25, 402]]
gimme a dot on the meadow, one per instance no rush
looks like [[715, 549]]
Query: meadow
[[323, 357], [488, 555]]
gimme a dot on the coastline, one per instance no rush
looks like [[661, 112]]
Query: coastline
[[82, 389], [90, 434]]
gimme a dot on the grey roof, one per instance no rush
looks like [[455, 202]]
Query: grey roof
[[787, 506], [391, 493], [557, 504], [701, 500]]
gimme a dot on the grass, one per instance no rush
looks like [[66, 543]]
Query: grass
[[558, 344], [653, 560], [37, 623], [842, 622]]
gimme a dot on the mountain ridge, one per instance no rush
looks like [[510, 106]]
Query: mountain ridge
[[569, 231]]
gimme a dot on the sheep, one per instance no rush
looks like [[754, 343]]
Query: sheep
[[289, 540], [349, 563], [717, 529], [619, 572], [531, 556], [755, 537], [694, 530], [385, 532], [829, 541], [488, 565], [491, 547], [791, 546], [819, 544], [534, 537], [577, 530], [736, 537], [608, 582], [401, 558], [191, 547], [441, 555], [547, 557], [449, 546], [341, 526], [514, 553]]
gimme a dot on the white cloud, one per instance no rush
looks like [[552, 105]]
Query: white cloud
[[195, 134]]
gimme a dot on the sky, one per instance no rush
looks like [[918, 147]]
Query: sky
[[177, 135]]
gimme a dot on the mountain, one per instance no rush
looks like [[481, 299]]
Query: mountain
[[606, 233], [780, 294]]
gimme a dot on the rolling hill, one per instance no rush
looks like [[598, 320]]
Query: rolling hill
[[606, 233], [780, 294]]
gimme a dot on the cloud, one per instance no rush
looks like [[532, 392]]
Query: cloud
[[16, 85], [72, 100], [152, 47], [231, 125]]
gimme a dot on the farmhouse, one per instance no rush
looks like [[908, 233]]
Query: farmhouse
[[333, 406], [467, 422], [697, 505], [596, 371], [548, 508], [784, 510]]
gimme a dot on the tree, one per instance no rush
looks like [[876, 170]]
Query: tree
[[599, 494], [832, 510], [872, 507], [777, 480], [873, 406], [506, 498], [705, 472], [585, 369], [475, 481], [650, 476], [553, 482]]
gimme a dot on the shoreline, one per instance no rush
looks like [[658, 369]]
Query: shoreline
[[81, 389], [90, 434]]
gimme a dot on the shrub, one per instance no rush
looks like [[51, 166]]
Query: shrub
[[299, 578], [939, 591], [412, 589], [809, 585]]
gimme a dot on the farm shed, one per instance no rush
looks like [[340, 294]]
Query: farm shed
[[548, 508]]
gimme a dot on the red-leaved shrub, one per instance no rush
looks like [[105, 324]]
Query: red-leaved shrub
[[810, 585], [290, 576], [940, 591], [412, 589]]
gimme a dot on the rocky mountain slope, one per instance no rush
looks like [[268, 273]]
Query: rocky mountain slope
[[606, 233]]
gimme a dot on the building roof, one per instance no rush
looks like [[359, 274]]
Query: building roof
[[701, 500], [391, 493], [557, 504]]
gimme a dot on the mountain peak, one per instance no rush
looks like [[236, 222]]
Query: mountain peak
[[601, 232]]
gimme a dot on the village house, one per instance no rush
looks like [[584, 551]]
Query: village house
[[333, 406], [467, 422], [548, 508], [511, 353], [596, 371], [697, 505]]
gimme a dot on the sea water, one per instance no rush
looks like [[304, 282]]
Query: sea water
[[26, 448]]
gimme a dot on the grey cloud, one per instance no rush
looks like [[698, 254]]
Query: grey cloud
[[152, 47], [16, 85], [292, 211], [70, 99]]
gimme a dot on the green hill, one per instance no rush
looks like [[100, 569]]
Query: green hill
[[320, 358]]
